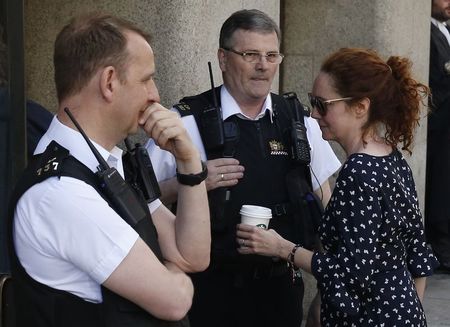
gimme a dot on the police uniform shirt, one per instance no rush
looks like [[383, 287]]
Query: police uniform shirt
[[66, 236], [323, 160]]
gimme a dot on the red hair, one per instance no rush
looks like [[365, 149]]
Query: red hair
[[395, 97]]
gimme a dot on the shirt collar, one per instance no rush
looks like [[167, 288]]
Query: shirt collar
[[230, 107], [442, 26], [77, 146], [437, 23]]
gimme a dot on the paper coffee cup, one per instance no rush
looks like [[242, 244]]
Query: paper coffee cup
[[255, 215]]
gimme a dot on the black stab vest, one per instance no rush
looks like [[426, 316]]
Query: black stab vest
[[262, 148], [39, 305]]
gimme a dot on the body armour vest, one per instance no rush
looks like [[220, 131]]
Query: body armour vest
[[39, 305], [262, 148]]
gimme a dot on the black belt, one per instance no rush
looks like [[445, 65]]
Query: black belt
[[252, 271], [281, 209]]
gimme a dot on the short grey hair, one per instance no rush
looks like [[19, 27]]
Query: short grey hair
[[250, 20]]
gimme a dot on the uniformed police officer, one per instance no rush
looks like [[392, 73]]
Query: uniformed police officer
[[250, 168], [76, 261]]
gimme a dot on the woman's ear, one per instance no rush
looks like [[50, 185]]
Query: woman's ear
[[362, 107]]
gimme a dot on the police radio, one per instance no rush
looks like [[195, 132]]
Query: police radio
[[211, 120], [300, 145], [114, 187], [143, 173], [300, 149]]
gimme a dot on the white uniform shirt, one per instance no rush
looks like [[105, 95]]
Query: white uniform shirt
[[323, 160], [66, 236]]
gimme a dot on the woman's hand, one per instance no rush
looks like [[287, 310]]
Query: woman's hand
[[256, 240]]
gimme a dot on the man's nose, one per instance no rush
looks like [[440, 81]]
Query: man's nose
[[262, 63], [153, 94]]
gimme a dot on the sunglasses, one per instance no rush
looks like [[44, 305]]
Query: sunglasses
[[321, 105]]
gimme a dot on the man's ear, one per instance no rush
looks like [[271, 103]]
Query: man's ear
[[108, 82], [362, 107], [222, 59]]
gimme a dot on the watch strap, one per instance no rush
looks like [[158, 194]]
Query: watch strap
[[193, 179]]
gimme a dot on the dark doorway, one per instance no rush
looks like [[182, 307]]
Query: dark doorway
[[12, 110]]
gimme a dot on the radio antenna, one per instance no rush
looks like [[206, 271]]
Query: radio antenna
[[103, 165], [212, 85]]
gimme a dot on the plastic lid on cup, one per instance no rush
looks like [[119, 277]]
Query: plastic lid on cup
[[256, 211]]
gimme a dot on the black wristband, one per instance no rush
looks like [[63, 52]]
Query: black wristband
[[193, 179]]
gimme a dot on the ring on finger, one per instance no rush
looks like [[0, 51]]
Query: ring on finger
[[222, 177], [242, 242]]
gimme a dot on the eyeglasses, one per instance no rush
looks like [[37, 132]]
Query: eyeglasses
[[321, 105], [254, 56]]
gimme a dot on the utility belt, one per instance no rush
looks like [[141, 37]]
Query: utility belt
[[281, 209], [250, 270]]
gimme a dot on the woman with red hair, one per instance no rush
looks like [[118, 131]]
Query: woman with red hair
[[375, 260]]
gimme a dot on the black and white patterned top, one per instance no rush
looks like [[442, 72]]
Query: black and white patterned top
[[374, 245]]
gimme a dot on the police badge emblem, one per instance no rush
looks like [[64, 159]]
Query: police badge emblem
[[277, 148]]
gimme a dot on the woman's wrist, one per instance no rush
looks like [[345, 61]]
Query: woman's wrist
[[285, 248], [291, 256]]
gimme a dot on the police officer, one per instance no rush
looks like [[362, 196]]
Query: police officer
[[250, 168], [76, 261]]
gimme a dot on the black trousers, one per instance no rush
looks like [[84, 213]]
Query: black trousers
[[249, 299], [437, 211]]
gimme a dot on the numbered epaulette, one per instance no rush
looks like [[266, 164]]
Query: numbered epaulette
[[50, 161], [183, 109]]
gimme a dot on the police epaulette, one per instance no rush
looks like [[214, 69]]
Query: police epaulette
[[183, 109], [50, 161]]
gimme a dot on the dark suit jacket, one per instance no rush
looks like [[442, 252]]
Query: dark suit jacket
[[38, 120], [439, 80], [438, 140]]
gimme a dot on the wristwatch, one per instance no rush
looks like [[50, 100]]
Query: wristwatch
[[193, 179]]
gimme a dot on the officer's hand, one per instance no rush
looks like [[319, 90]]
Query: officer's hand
[[167, 130], [223, 172]]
